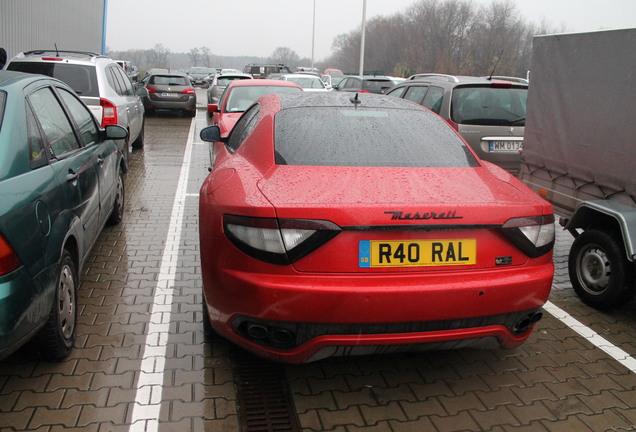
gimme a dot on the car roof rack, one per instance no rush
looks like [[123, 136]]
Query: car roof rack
[[45, 51], [449, 78]]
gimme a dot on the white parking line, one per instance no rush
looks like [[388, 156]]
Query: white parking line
[[597, 340], [145, 414]]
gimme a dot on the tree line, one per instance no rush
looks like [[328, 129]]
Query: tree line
[[443, 36]]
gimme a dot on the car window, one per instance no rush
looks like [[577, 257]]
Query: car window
[[223, 81], [53, 121], [243, 128], [433, 99], [169, 80], [113, 81], [376, 84], [37, 153], [84, 120], [377, 137], [124, 81], [240, 98], [397, 92], [416, 93], [489, 105], [81, 78]]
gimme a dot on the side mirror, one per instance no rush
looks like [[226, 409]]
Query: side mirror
[[212, 108], [140, 90], [116, 132], [210, 134]]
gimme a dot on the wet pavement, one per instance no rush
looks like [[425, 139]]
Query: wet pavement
[[141, 361]]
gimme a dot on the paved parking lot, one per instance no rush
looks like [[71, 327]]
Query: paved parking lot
[[141, 362]]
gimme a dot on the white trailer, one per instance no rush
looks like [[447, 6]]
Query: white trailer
[[579, 153]]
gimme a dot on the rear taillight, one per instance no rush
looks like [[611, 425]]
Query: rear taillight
[[278, 241], [109, 112], [9, 261], [188, 91], [534, 235], [52, 59], [151, 90]]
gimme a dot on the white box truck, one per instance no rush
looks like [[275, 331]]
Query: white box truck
[[579, 153]]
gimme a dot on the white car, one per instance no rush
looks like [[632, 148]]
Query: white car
[[309, 82]]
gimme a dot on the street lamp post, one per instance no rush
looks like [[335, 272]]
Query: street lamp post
[[313, 38], [364, 19]]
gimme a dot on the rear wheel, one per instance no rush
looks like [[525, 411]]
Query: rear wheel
[[117, 214], [139, 142], [58, 335], [599, 271]]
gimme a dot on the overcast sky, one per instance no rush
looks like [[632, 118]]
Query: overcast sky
[[258, 27]]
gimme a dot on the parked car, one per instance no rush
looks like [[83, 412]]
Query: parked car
[[490, 114], [309, 82], [171, 91], [220, 82], [101, 84], [131, 70], [337, 224], [261, 70], [365, 84], [61, 181], [239, 95], [201, 76]]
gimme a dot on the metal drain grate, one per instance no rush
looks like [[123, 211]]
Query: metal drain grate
[[264, 401]]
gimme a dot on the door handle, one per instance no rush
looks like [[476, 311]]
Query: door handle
[[71, 176]]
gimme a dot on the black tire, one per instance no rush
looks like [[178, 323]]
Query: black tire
[[599, 271], [208, 331], [117, 214], [139, 142], [57, 337], [191, 113]]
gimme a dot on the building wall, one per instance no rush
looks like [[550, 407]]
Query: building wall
[[77, 25]]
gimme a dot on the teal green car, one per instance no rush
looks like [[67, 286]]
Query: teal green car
[[61, 182]]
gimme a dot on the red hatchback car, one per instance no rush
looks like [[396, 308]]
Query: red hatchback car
[[342, 224], [239, 95]]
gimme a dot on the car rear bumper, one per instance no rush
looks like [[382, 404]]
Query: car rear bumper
[[382, 312], [22, 310], [190, 104]]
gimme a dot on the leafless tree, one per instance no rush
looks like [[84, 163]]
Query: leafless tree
[[286, 56], [158, 57], [194, 56], [205, 56]]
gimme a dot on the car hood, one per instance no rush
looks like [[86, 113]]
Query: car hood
[[379, 196]]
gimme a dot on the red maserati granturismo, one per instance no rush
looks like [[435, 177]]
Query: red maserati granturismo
[[343, 224]]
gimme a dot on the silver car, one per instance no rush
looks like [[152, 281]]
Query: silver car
[[220, 83], [488, 112], [99, 82]]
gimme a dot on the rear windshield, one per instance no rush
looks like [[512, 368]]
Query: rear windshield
[[367, 137], [81, 78], [169, 80], [224, 81], [307, 82], [376, 86], [496, 106]]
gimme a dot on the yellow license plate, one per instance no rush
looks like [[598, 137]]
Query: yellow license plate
[[416, 253]]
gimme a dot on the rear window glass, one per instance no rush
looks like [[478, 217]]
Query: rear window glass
[[169, 80], [226, 80], [376, 85], [485, 105], [81, 78], [367, 137]]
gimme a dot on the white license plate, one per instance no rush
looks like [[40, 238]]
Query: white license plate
[[170, 95], [506, 146]]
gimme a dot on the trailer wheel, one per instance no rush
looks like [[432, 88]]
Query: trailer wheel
[[599, 271]]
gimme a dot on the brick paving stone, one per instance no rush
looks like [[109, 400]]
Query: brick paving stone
[[458, 423], [349, 416], [382, 413], [493, 417]]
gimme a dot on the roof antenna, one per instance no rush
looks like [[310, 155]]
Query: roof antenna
[[57, 52], [354, 100], [495, 67]]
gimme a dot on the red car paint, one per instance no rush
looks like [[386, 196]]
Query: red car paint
[[304, 305]]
